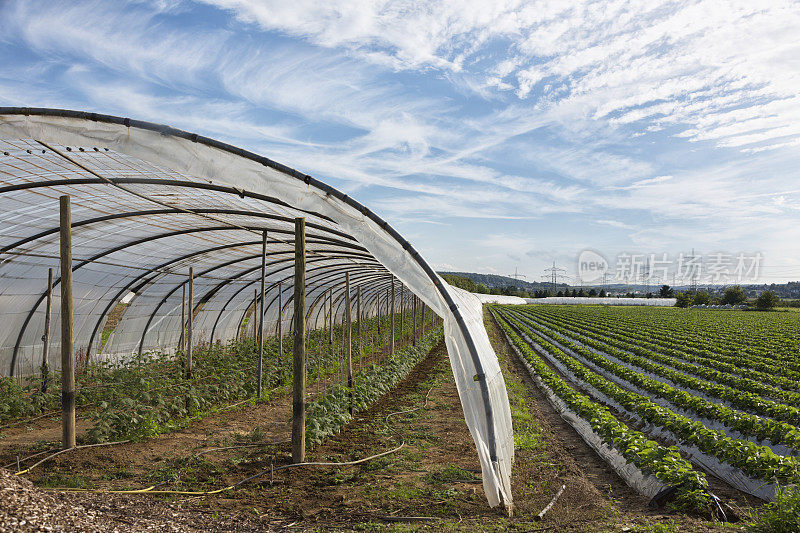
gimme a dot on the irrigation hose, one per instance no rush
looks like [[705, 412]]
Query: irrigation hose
[[149, 490], [65, 451], [271, 470]]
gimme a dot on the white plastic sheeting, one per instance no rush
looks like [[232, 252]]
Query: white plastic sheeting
[[500, 299], [567, 300], [142, 151]]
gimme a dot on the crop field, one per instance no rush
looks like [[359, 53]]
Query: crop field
[[149, 394], [703, 401]]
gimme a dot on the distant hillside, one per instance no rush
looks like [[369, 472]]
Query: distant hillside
[[493, 281]]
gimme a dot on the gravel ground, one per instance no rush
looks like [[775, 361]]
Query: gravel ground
[[24, 507]]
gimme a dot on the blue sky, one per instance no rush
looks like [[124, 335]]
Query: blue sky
[[494, 135]]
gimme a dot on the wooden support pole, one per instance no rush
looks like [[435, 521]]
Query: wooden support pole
[[349, 346], [67, 337], [46, 335], [299, 362], [261, 315], [391, 351], [190, 324]]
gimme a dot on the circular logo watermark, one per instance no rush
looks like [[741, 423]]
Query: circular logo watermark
[[591, 266]]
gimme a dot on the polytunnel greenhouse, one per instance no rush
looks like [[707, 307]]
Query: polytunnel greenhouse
[[179, 241]]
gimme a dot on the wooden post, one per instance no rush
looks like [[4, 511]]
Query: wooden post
[[46, 335], [261, 316], [299, 363], [280, 320], [349, 346], [391, 351], [67, 338], [190, 324], [182, 338]]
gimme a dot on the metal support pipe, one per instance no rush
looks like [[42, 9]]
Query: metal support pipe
[[253, 317], [349, 345], [379, 313], [402, 315], [280, 317], [46, 335], [330, 319], [261, 316], [299, 362], [414, 320], [67, 337], [391, 351], [190, 324], [183, 317]]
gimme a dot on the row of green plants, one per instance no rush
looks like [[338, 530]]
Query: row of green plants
[[149, 393], [665, 463], [758, 462], [667, 344], [771, 338], [716, 384], [745, 423], [329, 413]]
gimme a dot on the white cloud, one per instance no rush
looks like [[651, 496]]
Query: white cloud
[[614, 224], [673, 121]]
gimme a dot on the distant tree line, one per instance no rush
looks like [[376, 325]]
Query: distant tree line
[[733, 295], [467, 284]]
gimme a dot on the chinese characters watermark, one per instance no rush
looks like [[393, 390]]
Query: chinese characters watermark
[[683, 269]]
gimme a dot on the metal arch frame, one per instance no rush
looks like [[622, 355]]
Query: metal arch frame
[[241, 193], [317, 278], [152, 212], [256, 300], [193, 137], [335, 285], [370, 291], [130, 286], [338, 300], [209, 294], [136, 242]]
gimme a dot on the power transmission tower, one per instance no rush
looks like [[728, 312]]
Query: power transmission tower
[[516, 275], [693, 285], [606, 277], [553, 273]]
